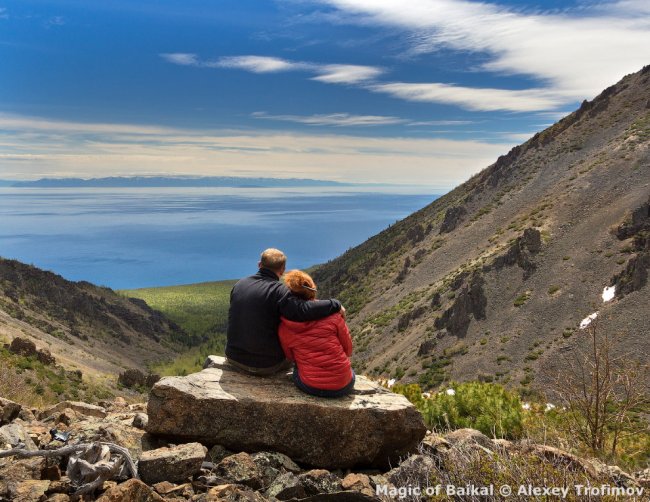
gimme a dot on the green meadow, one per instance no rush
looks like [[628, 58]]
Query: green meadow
[[201, 310]]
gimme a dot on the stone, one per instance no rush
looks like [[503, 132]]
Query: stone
[[319, 481], [30, 490], [415, 470], [435, 444], [140, 420], [643, 478], [285, 487], [453, 217], [132, 378], [8, 411], [58, 497], [371, 427], [15, 434], [358, 483], [51, 473], [45, 356], [275, 460], [23, 347], [67, 417], [86, 409], [240, 469], [469, 437], [175, 464], [561, 457], [230, 493], [132, 490], [217, 453], [26, 415]]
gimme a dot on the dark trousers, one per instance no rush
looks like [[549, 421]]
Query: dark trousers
[[322, 392], [283, 366]]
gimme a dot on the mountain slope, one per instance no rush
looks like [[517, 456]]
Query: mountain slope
[[84, 326], [492, 280]]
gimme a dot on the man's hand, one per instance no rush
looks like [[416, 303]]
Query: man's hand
[[342, 311]]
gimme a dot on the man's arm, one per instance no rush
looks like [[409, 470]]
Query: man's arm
[[296, 309]]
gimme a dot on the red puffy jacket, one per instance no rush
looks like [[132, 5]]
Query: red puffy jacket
[[320, 349]]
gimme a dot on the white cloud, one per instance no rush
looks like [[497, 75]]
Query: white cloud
[[333, 119], [34, 147], [181, 58], [575, 54], [478, 99], [327, 73], [346, 74], [258, 64]]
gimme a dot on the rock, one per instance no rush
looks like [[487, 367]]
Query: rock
[[435, 444], [51, 473], [561, 457], [30, 490], [45, 357], [131, 378], [8, 411], [643, 478], [471, 299], [285, 487], [415, 470], [66, 417], [15, 434], [230, 493], [241, 469], [58, 497], [275, 460], [86, 409], [120, 402], [358, 483], [453, 217], [26, 415], [132, 490], [469, 437], [319, 481], [22, 347], [175, 464], [246, 413], [217, 453], [140, 420]]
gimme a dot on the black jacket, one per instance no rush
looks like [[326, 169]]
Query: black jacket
[[256, 304]]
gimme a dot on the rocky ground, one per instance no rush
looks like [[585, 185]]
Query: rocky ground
[[191, 471]]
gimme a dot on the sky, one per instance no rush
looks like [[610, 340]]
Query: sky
[[421, 92]]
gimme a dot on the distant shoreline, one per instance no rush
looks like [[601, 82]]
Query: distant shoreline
[[181, 182]]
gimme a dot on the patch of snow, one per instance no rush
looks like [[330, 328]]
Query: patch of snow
[[587, 320], [608, 293], [391, 382], [450, 392], [426, 395], [525, 406], [550, 406]]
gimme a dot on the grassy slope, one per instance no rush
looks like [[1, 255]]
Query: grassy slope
[[200, 309]]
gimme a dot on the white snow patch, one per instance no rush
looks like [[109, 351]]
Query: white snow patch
[[587, 320], [550, 406], [525, 406], [426, 395], [450, 392], [608, 293], [391, 382]]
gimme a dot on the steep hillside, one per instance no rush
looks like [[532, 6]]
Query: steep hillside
[[84, 326], [492, 280]]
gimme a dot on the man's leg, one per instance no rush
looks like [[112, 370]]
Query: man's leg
[[283, 366]]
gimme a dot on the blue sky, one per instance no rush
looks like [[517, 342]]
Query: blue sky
[[422, 92]]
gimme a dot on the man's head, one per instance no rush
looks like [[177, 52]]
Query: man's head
[[274, 260]]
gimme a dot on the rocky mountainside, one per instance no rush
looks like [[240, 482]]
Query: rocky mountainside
[[493, 280], [83, 326]]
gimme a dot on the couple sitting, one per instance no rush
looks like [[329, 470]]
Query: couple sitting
[[272, 325]]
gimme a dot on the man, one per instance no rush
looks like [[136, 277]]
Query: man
[[256, 304]]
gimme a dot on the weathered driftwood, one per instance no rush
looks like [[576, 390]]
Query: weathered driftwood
[[89, 465]]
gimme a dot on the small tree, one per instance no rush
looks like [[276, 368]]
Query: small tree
[[604, 395]]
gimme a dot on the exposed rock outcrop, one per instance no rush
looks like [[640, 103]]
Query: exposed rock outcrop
[[453, 217], [520, 252], [175, 464], [470, 300], [221, 406]]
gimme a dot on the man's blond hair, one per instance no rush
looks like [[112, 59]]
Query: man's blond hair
[[273, 259]]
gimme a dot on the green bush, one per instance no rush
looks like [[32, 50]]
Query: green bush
[[487, 407]]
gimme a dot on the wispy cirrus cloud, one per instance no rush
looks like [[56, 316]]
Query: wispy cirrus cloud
[[573, 56], [333, 119], [347, 119], [472, 98], [327, 73]]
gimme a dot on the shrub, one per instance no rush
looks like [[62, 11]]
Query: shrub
[[488, 407]]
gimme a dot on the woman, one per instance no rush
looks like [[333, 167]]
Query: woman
[[320, 349]]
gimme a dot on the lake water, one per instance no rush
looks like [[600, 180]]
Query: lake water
[[139, 237]]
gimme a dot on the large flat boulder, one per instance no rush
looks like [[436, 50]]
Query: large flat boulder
[[220, 405]]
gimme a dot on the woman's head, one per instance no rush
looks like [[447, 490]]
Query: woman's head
[[300, 284]]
